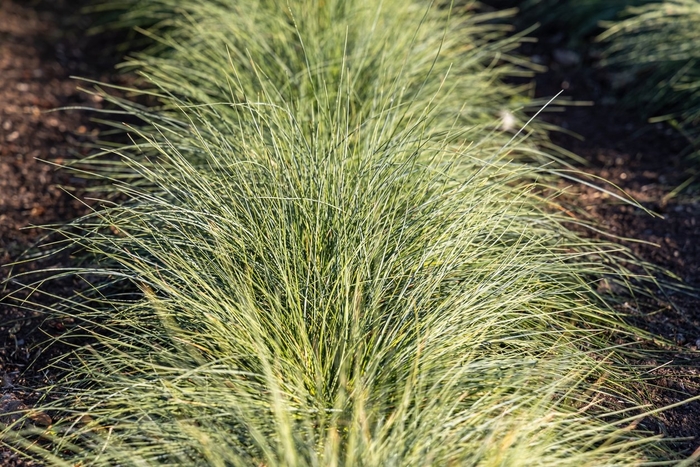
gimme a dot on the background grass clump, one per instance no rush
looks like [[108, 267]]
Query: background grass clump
[[329, 251], [650, 47], [579, 18], [291, 54], [658, 45]]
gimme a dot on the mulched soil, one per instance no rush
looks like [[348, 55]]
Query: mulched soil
[[647, 161], [42, 44]]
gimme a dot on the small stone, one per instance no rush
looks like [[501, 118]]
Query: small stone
[[13, 409], [12, 136], [7, 381], [538, 59], [40, 418], [622, 79], [37, 211], [610, 287], [22, 87], [566, 57]]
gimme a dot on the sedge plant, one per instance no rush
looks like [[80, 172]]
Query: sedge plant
[[299, 51], [658, 45], [578, 18], [325, 253]]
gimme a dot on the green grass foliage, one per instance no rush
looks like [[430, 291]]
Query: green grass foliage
[[329, 252], [659, 46], [577, 18], [651, 46]]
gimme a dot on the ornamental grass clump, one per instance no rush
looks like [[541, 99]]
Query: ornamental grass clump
[[325, 254], [651, 48], [578, 18], [658, 46], [457, 66]]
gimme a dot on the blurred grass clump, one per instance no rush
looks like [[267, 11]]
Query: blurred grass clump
[[658, 46], [333, 248], [651, 48], [577, 19]]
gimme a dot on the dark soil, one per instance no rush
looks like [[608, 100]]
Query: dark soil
[[649, 162], [43, 43]]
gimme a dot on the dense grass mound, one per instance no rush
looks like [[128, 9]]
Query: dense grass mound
[[456, 67], [337, 260], [652, 46], [579, 18], [659, 45]]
